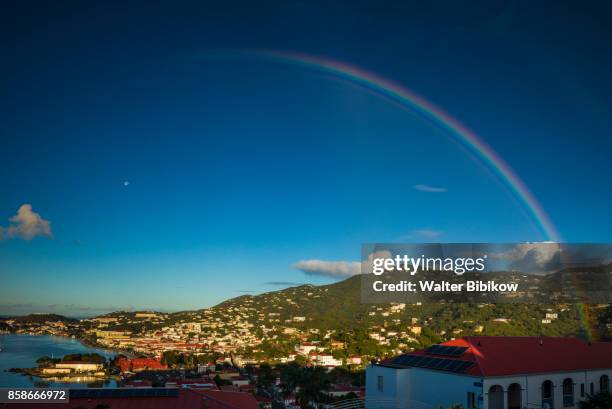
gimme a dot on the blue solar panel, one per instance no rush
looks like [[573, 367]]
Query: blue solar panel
[[428, 362], [447, 364], [464, 366], [445, 350]]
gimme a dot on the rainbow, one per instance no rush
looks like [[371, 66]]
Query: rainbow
[[414, 102]]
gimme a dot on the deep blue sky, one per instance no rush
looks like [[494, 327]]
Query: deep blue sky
[[240, 167]]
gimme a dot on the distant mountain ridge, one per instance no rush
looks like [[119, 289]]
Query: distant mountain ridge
[[42, 318]]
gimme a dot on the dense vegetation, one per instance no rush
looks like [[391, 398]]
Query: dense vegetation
[[338, 307]]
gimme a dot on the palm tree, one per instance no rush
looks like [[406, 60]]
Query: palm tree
[[290, 375], [313, 385], [601, 400]]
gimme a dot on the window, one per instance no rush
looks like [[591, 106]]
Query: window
[[514, 396], [592, 389], [582, 390], [568, 392], [604, 383], [380, 384], [496, 397], [547, 395], [471, 400]]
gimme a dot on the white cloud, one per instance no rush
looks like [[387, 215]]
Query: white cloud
[[532, 257], [366, 265], [339, 269], [333, 269], [26, 225], [429, 189]]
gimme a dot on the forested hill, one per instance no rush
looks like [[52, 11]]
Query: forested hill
[[330, 306], [338, 306]]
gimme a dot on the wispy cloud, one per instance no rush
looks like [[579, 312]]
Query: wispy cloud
[[427, 233], [429, 189], [81, 308], [333, 269], [15, 306], [26, 225], [422, 234]]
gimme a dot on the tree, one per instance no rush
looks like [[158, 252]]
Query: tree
[[301, 360], [170, 358], [340, 375], [45, 361], [313, 385], [602, 400], [290, 375], [94, 358], [265, 377], [278, 405]]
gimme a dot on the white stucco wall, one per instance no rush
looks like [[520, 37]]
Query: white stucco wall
[[531, 387], [417, 388], [438, 388], [396, 387]]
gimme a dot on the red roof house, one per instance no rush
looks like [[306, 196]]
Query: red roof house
[[139, 364], [499, 356], [215, 399], [495, 373]]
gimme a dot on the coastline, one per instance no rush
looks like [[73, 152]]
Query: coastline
[[83, 341], [20, 363]]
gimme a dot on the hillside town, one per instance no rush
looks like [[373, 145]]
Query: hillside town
[[284, 349], [243, 335]]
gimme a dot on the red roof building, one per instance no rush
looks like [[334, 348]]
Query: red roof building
[[500, 356], [228, 400], [495, 373], [139, 364]]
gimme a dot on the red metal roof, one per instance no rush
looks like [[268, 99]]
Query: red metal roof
[[139, 363], [499, 356], [229, 400]]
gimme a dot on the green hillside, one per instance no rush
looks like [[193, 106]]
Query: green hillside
[[338, 307]]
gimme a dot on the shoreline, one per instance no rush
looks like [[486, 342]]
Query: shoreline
[[29, 369], [35, 375], [83, 341]]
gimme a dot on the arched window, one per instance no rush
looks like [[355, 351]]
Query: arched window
[[568, 392], [604, 383], [547, 395], [514, 396], [496, 397]]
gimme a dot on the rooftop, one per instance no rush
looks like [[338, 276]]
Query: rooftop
[[499, 356]]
